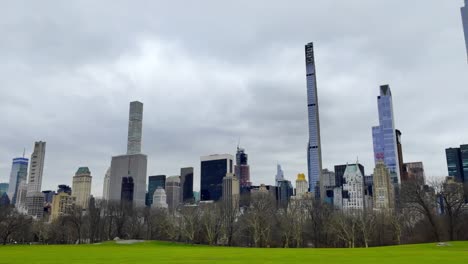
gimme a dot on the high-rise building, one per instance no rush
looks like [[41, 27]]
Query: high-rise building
[[464, 12], [231, 190], [19, 172], [173, 192], [34, 196], [133, 164], [82, 186], [340, 170], [62, 204], [464, 158], [400, 154], [21, 193], [314, 149], [384, 136], [384, 196], [353, 188], [135, 124], [454, 163], [127, 190], [284, 192], [279, 174], [329, 184], [154, 182], [242, 169], [3, 188], [159, 198], [212, 171], [301, 185], [414, 171], [186, 185], [105, 191]]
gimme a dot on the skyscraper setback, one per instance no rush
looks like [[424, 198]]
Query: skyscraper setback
[[384, 135], [314, 150]]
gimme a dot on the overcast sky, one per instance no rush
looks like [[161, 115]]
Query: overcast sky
[[211, 72]]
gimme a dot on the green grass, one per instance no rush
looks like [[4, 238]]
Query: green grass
[[161, 252]]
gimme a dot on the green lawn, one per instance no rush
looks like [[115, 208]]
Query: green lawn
[[160, 252]]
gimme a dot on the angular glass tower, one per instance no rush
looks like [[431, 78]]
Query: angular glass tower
[[464, 13], [19, 173], [384, 135], [314, 150]]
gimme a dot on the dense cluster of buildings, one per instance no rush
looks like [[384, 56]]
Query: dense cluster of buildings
[[227, 178]]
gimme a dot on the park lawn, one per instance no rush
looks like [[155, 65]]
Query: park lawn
[[163, 252]]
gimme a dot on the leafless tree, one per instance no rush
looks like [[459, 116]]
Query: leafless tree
[[11, 222], [260, 218], [452, 200]]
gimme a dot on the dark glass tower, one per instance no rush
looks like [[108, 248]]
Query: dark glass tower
[[212, 171], [127, 189], [186, 185], [454, 163], [153, 183]]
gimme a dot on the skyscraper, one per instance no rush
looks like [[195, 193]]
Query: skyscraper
[[19, 172], [314, 149], [34, 196], [279, 174], [301, 185], [82, 186], [400, 154], [464, 12], [133, 164], [384, 136], [173, 192], [186, 185], [212, 171], [242, 169], [155, 182], [454, 163], [231, 190], [384, 196], [135, 124], [284, 192]]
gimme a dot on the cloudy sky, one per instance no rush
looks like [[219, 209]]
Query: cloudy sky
[[211, 72]]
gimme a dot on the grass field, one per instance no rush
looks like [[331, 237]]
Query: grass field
[[160, 252]]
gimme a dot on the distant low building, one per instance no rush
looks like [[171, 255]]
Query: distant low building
[[62, 204], [159, 199]]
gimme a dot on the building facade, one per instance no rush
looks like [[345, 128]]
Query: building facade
[[231, 190], [340, 170], [81, 187], [242, 169], [159, 198], [3, 188], [186, 185], [19, 173], [414, 171], [301, 185], [455, 163], [383, 191], [128, 190], [384, 135], [135, 125], [34, 196], [314, 149], [353, 188], [173, 192], [62, 204], [212, 171], [279, 174], [284, 193], [329, 184], [155, 182], [464, 13], [400, 154]]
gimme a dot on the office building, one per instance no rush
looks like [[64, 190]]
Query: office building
[[133, 164], [62, 204], [353, 188], [19, 173], [279, 174], [173, 192], [384, 135], [186, 185], [384, 196], [82, 187], [314, 149], [212, 171], [20, 203], [454, 163], [464, 12], [105, 191], [414, 171], [340, 170], [231, 190], [284, 192], [159, 199], [155, 182], [3, 188], [127, 189], [242, 169], [301, 185]]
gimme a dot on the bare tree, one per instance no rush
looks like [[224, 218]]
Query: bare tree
[[259, 218], [366, 221], [343, 226], [190, 222], [211, 222], [452, 200]]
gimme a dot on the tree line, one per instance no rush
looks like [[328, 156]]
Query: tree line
[[423, 214]]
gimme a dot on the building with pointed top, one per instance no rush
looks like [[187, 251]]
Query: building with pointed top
[[353, 188], [34, 196], [279, 174]]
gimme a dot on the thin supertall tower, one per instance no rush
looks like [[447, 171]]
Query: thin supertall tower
[[135, 123], [314, 149]]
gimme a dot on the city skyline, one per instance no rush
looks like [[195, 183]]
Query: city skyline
[[271, 120]]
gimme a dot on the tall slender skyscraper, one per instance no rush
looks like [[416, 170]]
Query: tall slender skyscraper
[[19, 173], [242, 169], [186, 185], [135, 124], [314, 149], [279, 174], [36, 167], [464, 13], [384, 135]]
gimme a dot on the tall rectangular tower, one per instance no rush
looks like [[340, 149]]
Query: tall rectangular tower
[[186, 185], [212, 171], [384, 135], [314, 150], [36, 167], [135, 123], [464, 13], [19, 173]]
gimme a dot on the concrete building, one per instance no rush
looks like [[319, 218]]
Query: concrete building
[[62, 204], [384, 196], [159, 198], [22, 190], [242, 169], [464, 13], [133, 164], [19, 173], [105, 191], [231, 190], [340, 170], [155, 182], [353, 188], [384, 135], [301, 185], [186, 185], [314, 149], [82, 187], [414, 171], [34, 196], [173, 192], [212, 171]]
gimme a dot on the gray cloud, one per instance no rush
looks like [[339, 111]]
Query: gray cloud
[[212, 72]]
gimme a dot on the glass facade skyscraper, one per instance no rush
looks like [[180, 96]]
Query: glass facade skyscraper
[[212, 171], [19, 173], [153, 183], [384, 135], [186, 185], [314, 150], [454, 163]]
